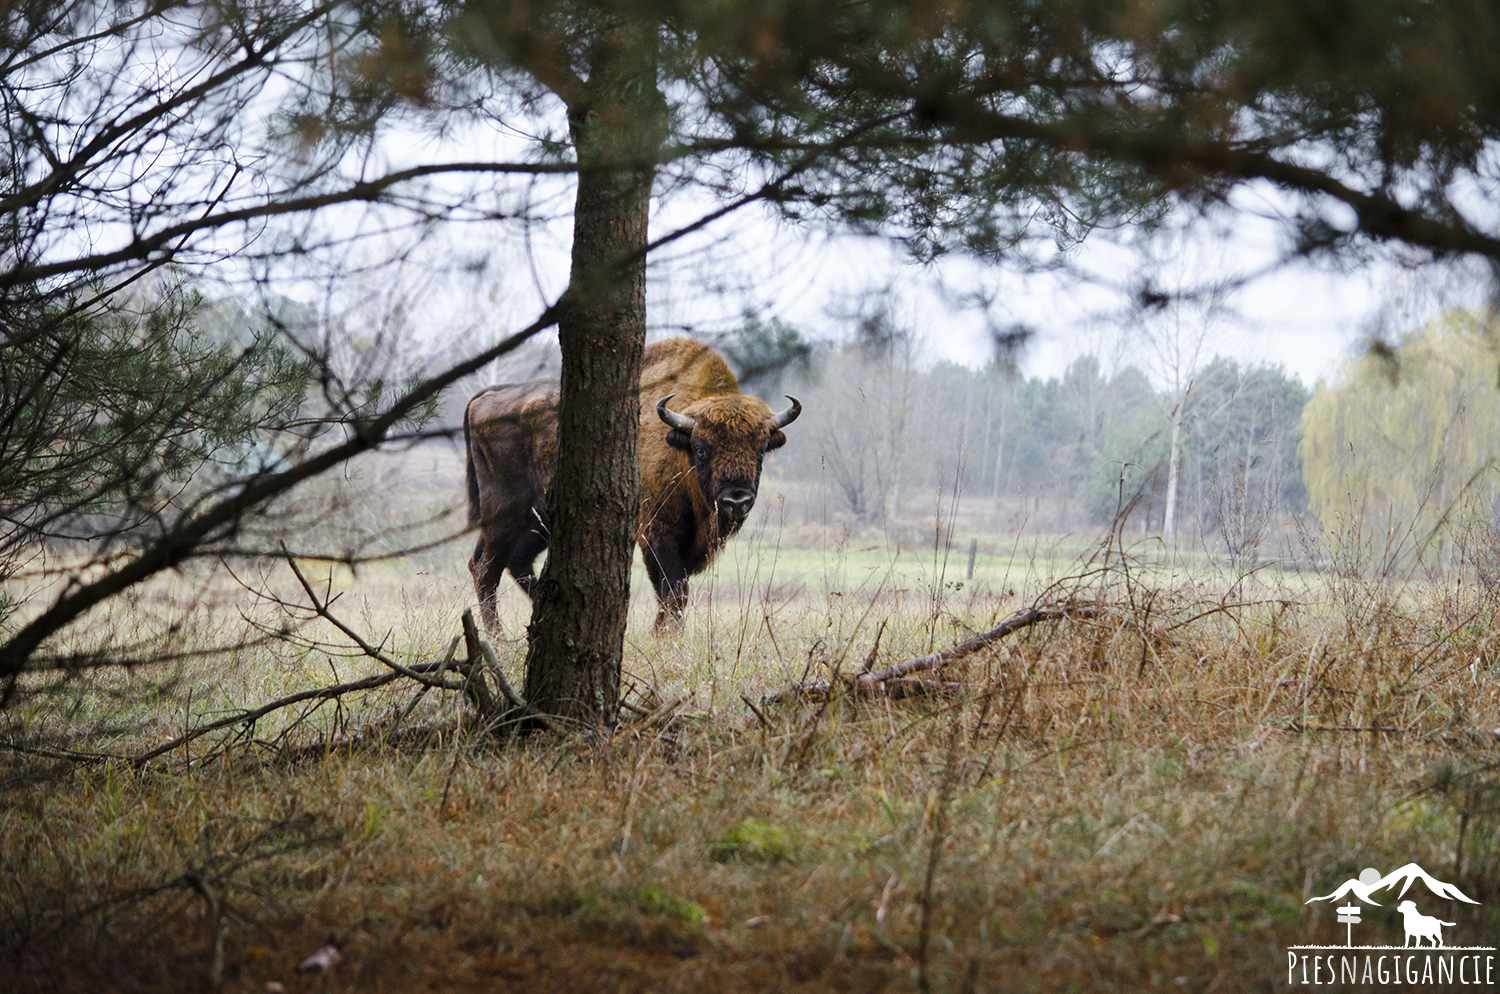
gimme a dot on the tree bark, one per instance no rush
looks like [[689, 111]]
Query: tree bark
[[1169, 516], [577, 630]]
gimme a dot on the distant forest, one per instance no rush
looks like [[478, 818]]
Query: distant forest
[[885, 433]]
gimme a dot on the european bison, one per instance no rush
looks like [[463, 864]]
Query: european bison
[[698, 479]]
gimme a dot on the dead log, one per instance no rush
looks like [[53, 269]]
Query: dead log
[[896, 681], [894, 689]]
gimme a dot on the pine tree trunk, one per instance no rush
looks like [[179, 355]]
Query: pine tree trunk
[[577, 631]]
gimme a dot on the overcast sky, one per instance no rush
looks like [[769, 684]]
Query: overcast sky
[[1303, 317]]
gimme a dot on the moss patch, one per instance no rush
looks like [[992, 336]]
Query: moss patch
[[755, 840]]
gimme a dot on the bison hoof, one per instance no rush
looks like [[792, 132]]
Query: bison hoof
[[668, 623]]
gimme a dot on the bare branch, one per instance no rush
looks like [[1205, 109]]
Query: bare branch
[[895, 681]]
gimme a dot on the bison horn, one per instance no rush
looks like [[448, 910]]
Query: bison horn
[[787, 416], [679, 421]]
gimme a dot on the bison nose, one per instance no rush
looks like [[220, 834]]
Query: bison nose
[[736, 503]]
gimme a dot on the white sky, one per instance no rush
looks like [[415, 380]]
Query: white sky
[[1297, 315], [1305, 318]]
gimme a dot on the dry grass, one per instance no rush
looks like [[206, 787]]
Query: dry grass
[[1135, 802]]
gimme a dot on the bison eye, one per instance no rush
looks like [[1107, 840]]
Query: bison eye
[[700, 449]]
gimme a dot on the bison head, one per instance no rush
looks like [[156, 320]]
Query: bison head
[[727, 437]]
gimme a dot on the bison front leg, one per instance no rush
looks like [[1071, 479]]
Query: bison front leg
[[669, 576]]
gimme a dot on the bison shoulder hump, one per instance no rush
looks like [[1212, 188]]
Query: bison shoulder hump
[[684, 367]]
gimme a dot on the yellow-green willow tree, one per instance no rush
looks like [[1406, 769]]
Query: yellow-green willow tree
[[1413, 437]]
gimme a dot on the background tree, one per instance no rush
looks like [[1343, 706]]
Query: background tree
[[1244, 467], [1127, 474], [870, 391], [763, 353], [1412, 437]]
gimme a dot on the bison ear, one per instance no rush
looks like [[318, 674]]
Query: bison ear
[[679, 439], [776, 441]]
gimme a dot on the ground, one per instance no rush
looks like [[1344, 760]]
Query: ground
[[1141, 800]]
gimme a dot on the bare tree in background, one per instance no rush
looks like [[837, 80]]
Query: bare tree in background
[[863, 428], [1176, 336]]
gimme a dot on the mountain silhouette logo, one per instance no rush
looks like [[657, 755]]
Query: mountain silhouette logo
[[1370, 882], [1424, 955]]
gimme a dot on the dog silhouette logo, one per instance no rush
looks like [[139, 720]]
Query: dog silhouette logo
[[1420, 926], [1423, 958]]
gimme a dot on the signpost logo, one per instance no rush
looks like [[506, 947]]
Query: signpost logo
[[1424, 956]]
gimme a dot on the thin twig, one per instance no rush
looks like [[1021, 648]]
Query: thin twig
[[548, 722], [321, 608], [448, 659], [874, 649], [499, 675], [764, 723], [475, 687], [321, 693]]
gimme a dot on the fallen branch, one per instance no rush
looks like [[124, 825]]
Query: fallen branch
[[1016, 622], [499, 675], [409, 735], [517, 703], [894, 688], [254, 715], [320, 608], [480, 659], [662, 713], [1298, 728], [895, 681], [476, 689]]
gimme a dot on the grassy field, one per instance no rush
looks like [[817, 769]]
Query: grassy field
[[1141, 800]]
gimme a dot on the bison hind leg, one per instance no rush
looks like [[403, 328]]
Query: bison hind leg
[[523, 559], [673, 609], [514, 549], [486, 568]]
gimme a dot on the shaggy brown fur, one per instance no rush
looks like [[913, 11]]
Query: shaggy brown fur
[[697, 486]]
